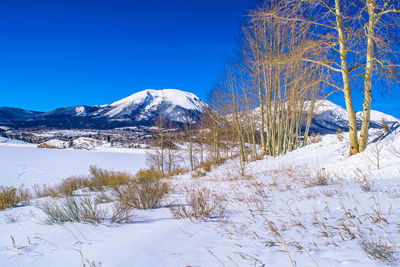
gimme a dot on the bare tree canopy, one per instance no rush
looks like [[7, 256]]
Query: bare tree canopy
[[354, 39]]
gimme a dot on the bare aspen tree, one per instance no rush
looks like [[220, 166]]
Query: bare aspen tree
[[337, 33], [250, 122], [266, 89], [202, 137], [188, 136], [170, 149], [252, 57], [378, 33], [157, 157], [330, 19], [163, 155], [214, 118], [289, 84]]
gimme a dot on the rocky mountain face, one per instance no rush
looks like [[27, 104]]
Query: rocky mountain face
[[140, 109]]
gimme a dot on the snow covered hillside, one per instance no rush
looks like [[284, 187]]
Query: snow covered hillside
[[311, 207]]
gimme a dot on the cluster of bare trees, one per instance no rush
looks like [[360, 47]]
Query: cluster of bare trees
[[265, 100], [292, 52], [164, 156], [177, 147], [358, 40]]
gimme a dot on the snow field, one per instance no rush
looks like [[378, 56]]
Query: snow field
[[31, 165], [311, 207]]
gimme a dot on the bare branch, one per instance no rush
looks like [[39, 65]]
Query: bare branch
[[321, 63]]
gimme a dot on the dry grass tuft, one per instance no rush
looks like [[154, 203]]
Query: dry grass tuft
[[363, 178], [202, 204], [315, 138], [73, 209], [176, 171], [339, 135], [378, 250], [121, 213], [198, 173], [320, 178]]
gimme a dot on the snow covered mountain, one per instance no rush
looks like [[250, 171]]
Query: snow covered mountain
[[329, 118], [139, 109], [174, 104], [144, 107]]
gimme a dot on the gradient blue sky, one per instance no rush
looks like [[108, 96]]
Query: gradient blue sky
[[56, 53]]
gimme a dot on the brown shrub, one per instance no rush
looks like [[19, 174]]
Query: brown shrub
[[45, 191], [103, 178], [143, 192], [44, 145], [151, 173], [69, 185], [176, 171], [98, 180], [206, 165], [11, 196]]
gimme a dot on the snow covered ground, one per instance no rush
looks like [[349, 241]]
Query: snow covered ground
[[28, 165], [311, 207]]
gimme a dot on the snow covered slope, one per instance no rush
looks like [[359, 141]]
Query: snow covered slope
[[330, 118], [141, 108], [314, 206]]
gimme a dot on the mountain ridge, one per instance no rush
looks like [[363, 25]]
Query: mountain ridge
[[144, 107], [176, 106]]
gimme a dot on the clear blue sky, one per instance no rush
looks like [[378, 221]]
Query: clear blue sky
[[56, 53]]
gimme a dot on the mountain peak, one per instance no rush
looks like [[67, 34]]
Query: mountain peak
[[174, 104], [178, 97]]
